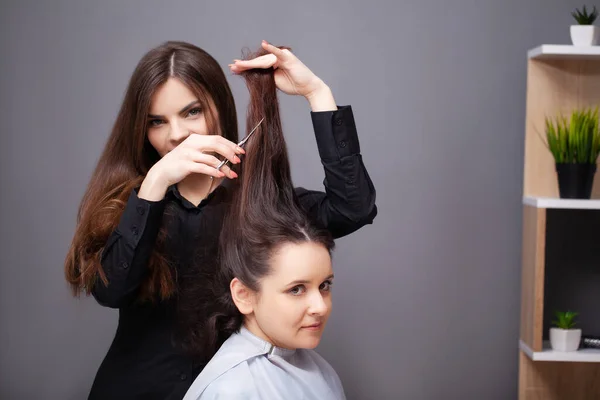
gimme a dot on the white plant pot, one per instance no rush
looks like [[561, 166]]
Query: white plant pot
[[584, 35], [565, 339]]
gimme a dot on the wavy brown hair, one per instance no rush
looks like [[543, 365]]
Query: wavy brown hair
[[263, 215], [128, 156]]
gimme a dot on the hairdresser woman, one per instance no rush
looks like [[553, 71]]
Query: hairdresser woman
[[156, 201]]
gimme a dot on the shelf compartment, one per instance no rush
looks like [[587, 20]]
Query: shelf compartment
[[558, 380], [554, 87]]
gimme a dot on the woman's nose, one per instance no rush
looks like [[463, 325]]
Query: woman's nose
[[318, 305], [178, 132]]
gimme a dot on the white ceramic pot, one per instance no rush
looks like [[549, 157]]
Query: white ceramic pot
[[584, 35], [565, 339]]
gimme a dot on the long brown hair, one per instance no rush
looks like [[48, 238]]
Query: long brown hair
[[264, 214], [128, 156]]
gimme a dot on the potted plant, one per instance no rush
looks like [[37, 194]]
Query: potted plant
[[575, 146], [584, 33], [563, 337]]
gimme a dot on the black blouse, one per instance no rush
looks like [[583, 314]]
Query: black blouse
[[143, 362]]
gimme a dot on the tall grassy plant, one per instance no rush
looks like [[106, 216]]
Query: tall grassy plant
[[574, 141]]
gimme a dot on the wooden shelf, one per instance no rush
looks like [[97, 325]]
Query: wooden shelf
[[553, 202], [560, 79], [562, 51], [547, 354]]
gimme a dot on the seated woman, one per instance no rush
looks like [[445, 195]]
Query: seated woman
[[276, 277]]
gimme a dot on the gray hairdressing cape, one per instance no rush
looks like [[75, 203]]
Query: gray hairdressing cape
[[247, 367]]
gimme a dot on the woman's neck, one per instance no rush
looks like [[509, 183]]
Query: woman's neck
[[196, 187]]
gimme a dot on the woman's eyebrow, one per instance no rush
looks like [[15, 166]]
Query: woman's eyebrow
[[184, 109]]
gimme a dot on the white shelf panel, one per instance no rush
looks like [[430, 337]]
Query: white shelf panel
[[547, 354], [552, 202], [557, 51]]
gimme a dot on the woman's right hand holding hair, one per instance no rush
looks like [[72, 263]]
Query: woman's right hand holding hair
[[190, 156]]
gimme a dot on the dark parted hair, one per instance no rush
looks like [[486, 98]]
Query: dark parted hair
[[263, 215]]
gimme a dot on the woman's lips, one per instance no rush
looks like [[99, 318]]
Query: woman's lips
[[313, 327]]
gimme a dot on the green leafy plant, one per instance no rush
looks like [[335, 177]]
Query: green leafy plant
[[575, 140], [583, 18], [565, 320]]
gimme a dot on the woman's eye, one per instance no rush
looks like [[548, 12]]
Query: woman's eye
[[194, 112], [155, 122], [297, 290], [326, 286]]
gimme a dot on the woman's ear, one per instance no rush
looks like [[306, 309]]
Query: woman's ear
[[242, 296]]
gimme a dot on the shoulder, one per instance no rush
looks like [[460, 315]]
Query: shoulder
[[236, 383], [299, 190], [228, 374], [308, 197]]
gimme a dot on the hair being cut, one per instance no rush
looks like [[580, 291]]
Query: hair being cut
[[264, 214]]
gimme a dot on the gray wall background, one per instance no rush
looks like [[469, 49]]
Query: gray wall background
[[426, 300]]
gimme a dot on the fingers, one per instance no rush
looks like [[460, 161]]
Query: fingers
[[226, 148], [266, 61], [277, 52], [201, 168], [217, 144], [273, 59], [220, 139], [214, 162], [204, 158], [228, 172]]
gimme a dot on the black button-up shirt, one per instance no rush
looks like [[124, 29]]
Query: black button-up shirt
[[143, 362]]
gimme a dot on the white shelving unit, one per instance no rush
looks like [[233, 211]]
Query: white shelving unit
[[547, 354], [560, 78], [560, 51], [552, 202]]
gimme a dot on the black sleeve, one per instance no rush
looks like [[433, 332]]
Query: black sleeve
[[348, 202], [127, 251]]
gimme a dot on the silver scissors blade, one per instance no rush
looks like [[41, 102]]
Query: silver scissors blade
[[240, 144], [244, 140]]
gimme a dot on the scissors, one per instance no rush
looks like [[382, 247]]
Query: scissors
[[240, 144]]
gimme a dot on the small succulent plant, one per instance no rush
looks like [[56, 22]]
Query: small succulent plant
[[565, 320], [583, 18]]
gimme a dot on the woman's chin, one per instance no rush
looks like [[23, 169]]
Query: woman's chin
[[309, 340]]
